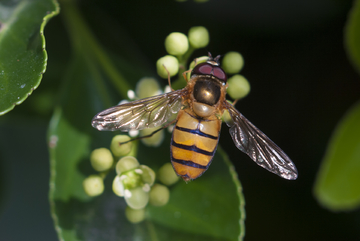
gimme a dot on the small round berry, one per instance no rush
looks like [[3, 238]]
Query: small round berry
[[93, 185], [136, 198], [135, 215], [147, 87], [167, 175], [125, 164], [148, 175], [159, 195], [101, 159], [176, 44], [198, 37], [155, 140], [239, 87], [118, 186], [119, 149], [169, 63], [232, 62]]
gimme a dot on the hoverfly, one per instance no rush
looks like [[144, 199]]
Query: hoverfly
[[199, 107]]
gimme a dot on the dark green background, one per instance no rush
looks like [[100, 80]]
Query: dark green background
[[301, 80]]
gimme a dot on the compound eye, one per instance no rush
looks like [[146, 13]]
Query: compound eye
[[220, 74], [203, 68]]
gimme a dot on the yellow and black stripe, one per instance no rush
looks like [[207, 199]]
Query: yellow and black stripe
[[193, 144]]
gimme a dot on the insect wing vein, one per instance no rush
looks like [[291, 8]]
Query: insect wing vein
[[250, 140], [145, 113]]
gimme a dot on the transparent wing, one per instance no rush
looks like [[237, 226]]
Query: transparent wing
[[258, 146], [145, 113]]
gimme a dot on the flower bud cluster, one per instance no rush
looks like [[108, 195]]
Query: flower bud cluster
[[178, 45], [133, 181], [102, 160], [232, 63]]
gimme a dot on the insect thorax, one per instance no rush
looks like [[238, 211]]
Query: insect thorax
[[207, 91]]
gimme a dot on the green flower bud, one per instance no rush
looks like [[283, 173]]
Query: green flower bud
[[101, 159], [239, 87], [136, 198], [232, 62], [147, 87], [159, 195], [125, 164], [176, 44], [155, 140], [167, 175], [135, 215], [199, 60], [171, 64], [198, 37], [148, 175], [93, 185], [118, 186], [120, 149], [226, 117]]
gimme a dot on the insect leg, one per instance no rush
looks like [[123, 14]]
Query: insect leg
[[150, 135], [169, 81], [184, 74], [234, 102]]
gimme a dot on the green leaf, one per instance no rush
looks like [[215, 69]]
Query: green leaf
[[337, 184], [23, 56], [352, 35]]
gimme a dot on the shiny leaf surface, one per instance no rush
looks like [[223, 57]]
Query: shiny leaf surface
[[23, 56]]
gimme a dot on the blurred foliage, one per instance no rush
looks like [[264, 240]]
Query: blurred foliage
[[352, 35], [337, 184]]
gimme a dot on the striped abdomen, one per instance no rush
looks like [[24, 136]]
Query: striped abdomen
[[193, 144]]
